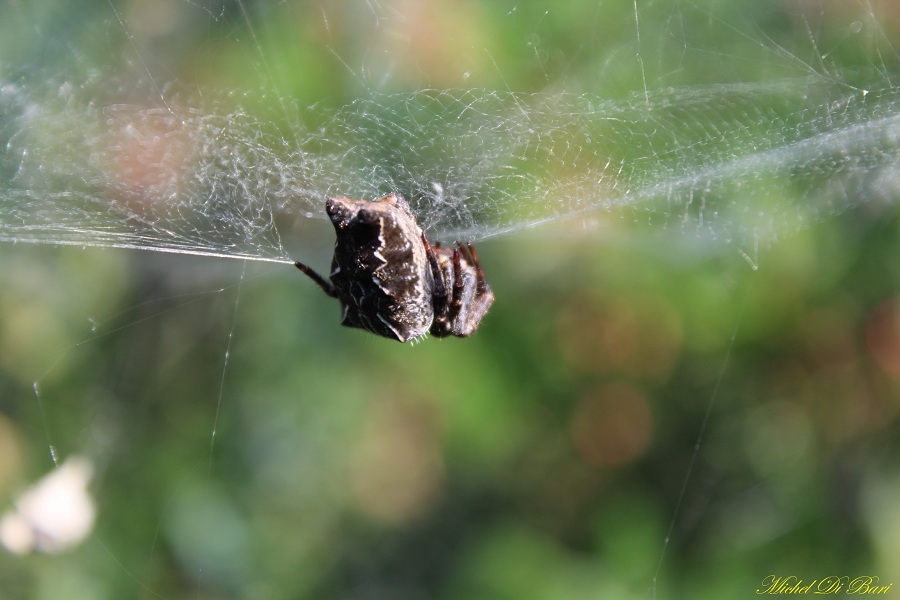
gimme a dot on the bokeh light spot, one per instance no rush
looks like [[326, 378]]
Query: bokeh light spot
[[611, 425], [883, 336], [638, 336], [397, 469]]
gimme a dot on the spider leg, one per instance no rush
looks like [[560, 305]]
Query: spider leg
[[326, 286], [439, 290], [482, 285], [480, 298], [456, 300]]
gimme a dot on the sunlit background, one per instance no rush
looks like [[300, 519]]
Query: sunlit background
[[642, 414]]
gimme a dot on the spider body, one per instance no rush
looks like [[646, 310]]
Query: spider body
[[392, 282]]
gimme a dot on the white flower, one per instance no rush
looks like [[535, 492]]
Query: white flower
[[53, 515]]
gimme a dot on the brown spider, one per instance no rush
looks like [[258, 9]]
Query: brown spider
[[392, 282]]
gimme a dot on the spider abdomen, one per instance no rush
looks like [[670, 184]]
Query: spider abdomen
[[379, 267]]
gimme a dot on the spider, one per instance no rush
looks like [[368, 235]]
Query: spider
[[391, 281]]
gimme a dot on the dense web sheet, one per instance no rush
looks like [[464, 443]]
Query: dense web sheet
[[713, 162]]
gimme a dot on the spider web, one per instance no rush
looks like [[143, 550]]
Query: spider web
[[710, 162]]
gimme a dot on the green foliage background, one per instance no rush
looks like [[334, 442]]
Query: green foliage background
[[552, 455]]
